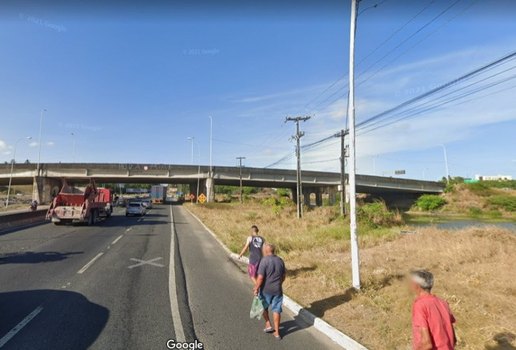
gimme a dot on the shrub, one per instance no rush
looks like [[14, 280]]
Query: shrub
[[377, 214], [506, 202], [429, 202], [283, 192]]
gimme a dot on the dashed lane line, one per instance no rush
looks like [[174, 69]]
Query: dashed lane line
[[116, 239], [20, 326], [91, 262]]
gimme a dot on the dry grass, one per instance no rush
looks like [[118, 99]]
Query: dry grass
[[463, 200], [472, 268]]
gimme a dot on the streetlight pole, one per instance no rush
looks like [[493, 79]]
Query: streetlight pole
[[39, 141], [12, 168], [191, 139], [211, 145], [446, 163], [241, 187], [73, 147], [355, 258], [198, 172]]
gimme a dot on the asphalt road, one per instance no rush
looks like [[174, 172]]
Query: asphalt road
[[113, 286]]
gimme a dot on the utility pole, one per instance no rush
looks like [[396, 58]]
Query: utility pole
[[355, 257], [241, 187], [297, 137], [342, 135]]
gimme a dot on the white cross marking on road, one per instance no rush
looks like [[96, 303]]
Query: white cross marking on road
[[146, 262]]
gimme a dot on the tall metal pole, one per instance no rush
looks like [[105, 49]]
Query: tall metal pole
[[39, 141], [241, 184], [446, 163], [211, 145], [355, 257], [342, 172], [73, 147], [191, 139], [12, 168], [198, 172], [297, 137]]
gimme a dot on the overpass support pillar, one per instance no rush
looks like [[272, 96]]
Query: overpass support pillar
[[44, 189], [318, 198], [332, 195], [306, 195], [210, 189], [293, 194]]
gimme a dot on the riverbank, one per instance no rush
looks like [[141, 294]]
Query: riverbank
[[468, 267]]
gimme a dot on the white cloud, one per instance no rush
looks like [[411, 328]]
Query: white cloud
[[3, 145], [33, 144], [50, 143]]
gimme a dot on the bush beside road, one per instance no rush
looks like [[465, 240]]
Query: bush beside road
[[468, 265]]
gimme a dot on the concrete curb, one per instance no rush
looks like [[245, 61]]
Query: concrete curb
[[20, 219], [322, 326]]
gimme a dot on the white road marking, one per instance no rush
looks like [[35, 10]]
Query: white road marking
[[129, 229], [146, 262], [116, 239], [172, 290], [20, 326], [85, 267]]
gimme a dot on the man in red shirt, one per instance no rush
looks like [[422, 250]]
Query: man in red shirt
[[432, 320]]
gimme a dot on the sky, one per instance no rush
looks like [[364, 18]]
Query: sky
[[130, 82]]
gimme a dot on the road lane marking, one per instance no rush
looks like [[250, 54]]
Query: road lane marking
[[129, 229], [20, 326], [145, 262], [172, 289], [116, 239], [85, 267]]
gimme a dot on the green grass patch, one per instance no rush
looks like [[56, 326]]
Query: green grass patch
[[430, 202], [505, 202]]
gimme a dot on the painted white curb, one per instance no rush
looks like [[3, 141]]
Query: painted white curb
[[322, 326]]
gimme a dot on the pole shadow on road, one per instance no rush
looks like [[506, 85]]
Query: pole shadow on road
[[34, 257], [306, 317], [67, 320]]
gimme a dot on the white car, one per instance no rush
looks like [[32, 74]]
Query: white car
[[147, 203], [134, 208]]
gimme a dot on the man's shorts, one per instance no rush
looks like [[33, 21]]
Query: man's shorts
[[274, 301], [252, 269]]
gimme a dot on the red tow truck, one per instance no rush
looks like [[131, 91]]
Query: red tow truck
[[72, 205]]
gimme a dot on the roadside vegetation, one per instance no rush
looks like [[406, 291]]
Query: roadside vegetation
[[468, 266], [491, 200]]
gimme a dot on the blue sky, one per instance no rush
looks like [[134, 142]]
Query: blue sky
[[132, 84]]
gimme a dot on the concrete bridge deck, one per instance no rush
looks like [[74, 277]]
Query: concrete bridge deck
[[313, 181]]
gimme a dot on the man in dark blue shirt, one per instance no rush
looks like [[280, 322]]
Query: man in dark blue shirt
[[271, 274]]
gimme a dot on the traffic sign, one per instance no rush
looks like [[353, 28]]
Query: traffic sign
[[202, 198]]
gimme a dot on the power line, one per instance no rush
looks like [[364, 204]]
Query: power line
[[393, 34], [420, 29], [393, 60], [364, 125], [438, 89]]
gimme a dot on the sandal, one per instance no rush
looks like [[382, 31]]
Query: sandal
[[268, 330]]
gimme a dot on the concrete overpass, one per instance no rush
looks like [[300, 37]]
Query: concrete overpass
[[48, 178]]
